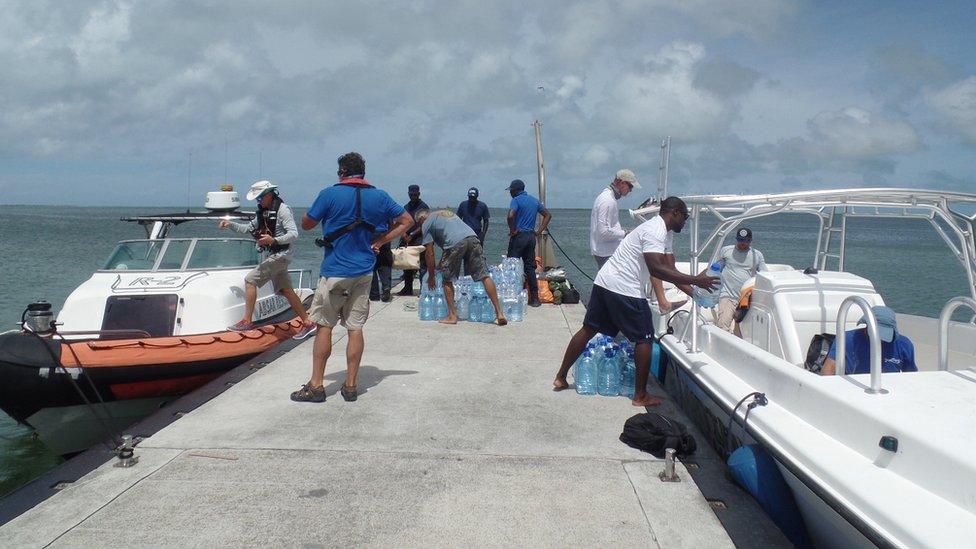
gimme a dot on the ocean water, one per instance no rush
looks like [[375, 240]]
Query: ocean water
[[47, 251]]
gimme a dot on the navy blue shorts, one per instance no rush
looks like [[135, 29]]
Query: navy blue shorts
[[611, 313]]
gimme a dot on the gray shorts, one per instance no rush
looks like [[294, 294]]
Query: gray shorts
[[469, 252], [341, 300], [274, 269]]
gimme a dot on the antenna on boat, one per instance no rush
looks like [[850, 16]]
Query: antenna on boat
[[542, 245], [260, 165], [189, 166], [225, 159], [662, 181]]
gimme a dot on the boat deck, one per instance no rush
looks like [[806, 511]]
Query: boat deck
[[456, 440]]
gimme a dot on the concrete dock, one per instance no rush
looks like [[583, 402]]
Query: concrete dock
[[456, 440]]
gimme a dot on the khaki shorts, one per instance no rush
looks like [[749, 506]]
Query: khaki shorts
[[274, 269], [725, 313], [341, 300]]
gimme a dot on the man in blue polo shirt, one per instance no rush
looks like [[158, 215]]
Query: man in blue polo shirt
[[897, 351], [522, 214], [349, 212]]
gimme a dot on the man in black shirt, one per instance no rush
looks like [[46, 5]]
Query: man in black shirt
[[412, 236], [475, 214]]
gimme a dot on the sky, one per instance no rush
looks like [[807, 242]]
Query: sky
[[119, 103]]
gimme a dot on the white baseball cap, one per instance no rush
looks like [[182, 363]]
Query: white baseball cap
[[260, 188], [628, 176]]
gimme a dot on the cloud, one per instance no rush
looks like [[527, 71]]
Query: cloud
[[853, 133], [956, 104]]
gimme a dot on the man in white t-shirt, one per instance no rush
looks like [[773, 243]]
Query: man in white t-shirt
[[618, 303], [605, 230]]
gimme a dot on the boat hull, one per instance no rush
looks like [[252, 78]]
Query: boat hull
[[825, 526], [57, 387]]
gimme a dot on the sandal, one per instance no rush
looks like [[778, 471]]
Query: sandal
[[309, 394], [349, 394]]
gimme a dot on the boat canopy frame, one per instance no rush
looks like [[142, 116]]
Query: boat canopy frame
[[158, 226], [942, 210]]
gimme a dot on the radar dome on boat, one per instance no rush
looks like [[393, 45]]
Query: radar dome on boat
[[226, 199]]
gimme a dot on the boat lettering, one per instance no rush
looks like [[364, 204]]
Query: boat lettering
[[155, 281], [271, 306]]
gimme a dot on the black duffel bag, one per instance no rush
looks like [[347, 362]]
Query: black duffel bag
[[653, 433]]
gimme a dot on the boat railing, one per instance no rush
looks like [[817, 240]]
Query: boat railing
[[301, 275], [873, 337], [944, 317]]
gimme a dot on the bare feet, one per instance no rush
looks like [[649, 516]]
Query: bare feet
[[448, 320], [501, 321], [560, 384], [647, 400]]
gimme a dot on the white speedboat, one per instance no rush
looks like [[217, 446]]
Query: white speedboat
[[148, 326], [873, 459]]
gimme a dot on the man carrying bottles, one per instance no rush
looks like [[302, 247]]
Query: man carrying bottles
[[459, 244], [618, 303], [522, 214]]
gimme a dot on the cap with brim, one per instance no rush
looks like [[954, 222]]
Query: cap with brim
[[413, 189], [744, 235], [628, 177], [473, 191], [516, 185], [259, 189], [887, 325]]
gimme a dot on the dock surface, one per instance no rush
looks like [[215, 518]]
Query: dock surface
[[456, 440]]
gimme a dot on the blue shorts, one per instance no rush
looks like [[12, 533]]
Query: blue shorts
[[611, 313]]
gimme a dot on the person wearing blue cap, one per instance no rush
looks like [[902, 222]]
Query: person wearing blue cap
[[522, 214], [741, 262], [475, 214], [897, 351]]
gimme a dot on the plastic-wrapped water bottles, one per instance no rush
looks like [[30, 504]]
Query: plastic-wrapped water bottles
[[586, 373], [608, 380], [628, 373], [709, 299]]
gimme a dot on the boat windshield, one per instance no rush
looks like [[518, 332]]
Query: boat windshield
[[183, 254]]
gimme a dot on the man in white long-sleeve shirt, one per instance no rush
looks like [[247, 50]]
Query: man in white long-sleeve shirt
[[605, 230], [275, 230]]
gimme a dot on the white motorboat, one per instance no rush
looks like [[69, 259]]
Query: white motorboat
[[871, 459], [150, 325]]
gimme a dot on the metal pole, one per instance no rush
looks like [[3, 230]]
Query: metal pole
[[662, 179], [695, 211], [542, 243], [944, 319], [873, 338]]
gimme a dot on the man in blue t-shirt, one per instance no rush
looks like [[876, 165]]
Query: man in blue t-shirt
[[475, 214], [349, 213], [897, 351], [522, 214]]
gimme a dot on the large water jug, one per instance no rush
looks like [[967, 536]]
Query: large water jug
[[608, 382], [575, 368], [586, 375], [474, 309], [523, 302], [487, 310], [463, 303], [628, 373], [516, 313], [440, 305], [425, 307], [705, 298]]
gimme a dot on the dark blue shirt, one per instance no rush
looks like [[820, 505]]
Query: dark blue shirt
[[526, 207], [896, 356], [474, 216], [413, 209], [335, 207]]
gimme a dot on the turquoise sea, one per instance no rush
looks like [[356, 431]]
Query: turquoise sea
[[47, 251]]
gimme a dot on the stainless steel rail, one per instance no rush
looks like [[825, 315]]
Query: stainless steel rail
[[944, 318], [873, 337]]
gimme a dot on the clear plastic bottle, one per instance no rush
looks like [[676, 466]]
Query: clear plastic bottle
[[487, 310], [709, 299], [628, 373], [425, 306], [474, 309], [463, 303], [586, 374], [608, 381], [440, 305]]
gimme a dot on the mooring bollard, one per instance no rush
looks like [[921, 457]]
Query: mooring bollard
[[669, 474], [126, 453]]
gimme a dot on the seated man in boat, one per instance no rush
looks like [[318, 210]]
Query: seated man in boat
[[897, 351], [459, 244], [349, 211], [275, 230], [742, 262], [618, 303]]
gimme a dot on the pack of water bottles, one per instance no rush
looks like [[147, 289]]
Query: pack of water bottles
[[471, 299], [606, 368]]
